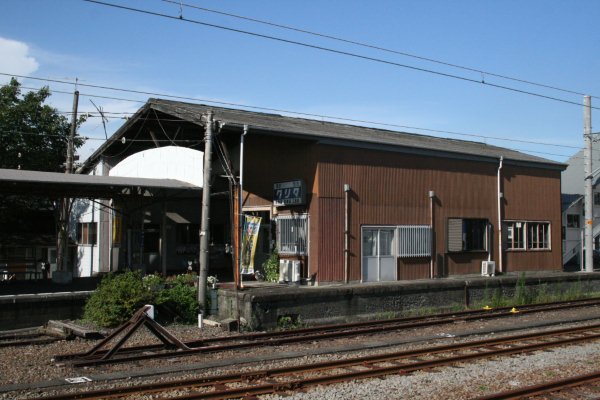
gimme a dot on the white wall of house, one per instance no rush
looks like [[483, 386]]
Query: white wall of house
[[86, 217], [572, 222], [169, 162]]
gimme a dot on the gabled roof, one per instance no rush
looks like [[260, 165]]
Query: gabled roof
[[569, 200], [328, 132]]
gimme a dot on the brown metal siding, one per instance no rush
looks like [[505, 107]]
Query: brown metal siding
[[533, 195], [392, 189], [268, 160], [413, 268], [331, 243]]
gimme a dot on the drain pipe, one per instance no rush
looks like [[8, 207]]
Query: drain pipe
[[432, 238], [241, 204], [500, 195], [346, 232]]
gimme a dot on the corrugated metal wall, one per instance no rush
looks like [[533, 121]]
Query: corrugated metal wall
[[390, 188]]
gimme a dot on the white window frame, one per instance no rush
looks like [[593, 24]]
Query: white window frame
[[83, 232], [409, 241], [537, 235]]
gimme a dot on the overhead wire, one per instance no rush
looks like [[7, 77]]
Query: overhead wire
[[335, 51], [374, 47], [304, 114]]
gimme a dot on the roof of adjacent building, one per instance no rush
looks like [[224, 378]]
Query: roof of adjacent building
[[13, 181], [568, 200], [330, 132]]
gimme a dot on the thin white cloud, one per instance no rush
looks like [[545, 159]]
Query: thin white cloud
[[15, 59]]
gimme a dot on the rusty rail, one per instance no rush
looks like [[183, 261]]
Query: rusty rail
[[97, 356], [591, 379], [286, 379]]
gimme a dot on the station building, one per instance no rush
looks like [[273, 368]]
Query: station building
[[340, 203]]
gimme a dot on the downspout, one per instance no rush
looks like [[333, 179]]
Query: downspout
[[241, 204], [97, 235], [346, 232], [431, 221], [500, 195]]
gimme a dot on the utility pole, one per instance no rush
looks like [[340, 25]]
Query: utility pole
[[205, 221], [65, 204], [70, 146], [588, 196]]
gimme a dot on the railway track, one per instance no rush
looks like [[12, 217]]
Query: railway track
[[575, 387], [251, 340], [27, 337], [300, 377]]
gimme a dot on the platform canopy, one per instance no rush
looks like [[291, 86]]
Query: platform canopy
[[54, 184]]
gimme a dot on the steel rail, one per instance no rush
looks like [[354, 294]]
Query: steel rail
[[546, 387], [311, 334], [28, 342], [475, 350]]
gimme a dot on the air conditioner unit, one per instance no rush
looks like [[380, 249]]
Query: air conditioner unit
[[284, 271], [488, 268]]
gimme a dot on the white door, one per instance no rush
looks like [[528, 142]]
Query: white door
[[378, 261], [52, 258]]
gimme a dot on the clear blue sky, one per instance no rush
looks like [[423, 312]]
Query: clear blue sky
[[546, 41]]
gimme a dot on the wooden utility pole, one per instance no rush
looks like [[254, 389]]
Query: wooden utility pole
[[65, 203], [205, 218]]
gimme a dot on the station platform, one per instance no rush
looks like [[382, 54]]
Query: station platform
[[264, 306]]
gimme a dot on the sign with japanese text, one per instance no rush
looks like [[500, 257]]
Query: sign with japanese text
[[289, 193]]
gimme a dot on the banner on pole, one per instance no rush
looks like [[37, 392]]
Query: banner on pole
[[249, 240]]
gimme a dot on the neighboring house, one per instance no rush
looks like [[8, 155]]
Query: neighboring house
[[415, 206], [573, 218], [143, 240]]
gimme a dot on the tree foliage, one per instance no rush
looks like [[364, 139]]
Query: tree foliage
[[33, 135]]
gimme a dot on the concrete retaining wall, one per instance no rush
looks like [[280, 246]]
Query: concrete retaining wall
[[29, 310], [262, 307]]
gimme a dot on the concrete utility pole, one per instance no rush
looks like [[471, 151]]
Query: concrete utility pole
[[205, 221], [588, 196]]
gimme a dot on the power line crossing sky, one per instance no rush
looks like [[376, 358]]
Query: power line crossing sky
[[550, 43]]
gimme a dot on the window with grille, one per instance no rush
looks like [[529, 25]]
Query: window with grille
[[86, 233], [292, 234], [527, 235], [414, 241]]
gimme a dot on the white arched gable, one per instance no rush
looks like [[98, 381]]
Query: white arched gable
[[168, 162]]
